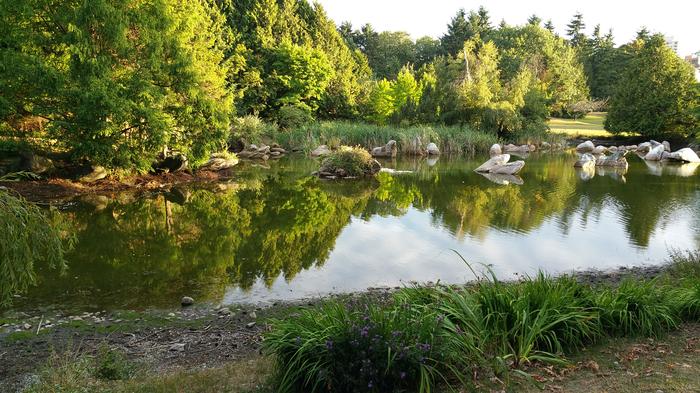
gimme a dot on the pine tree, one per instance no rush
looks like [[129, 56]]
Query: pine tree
[[575, 31]]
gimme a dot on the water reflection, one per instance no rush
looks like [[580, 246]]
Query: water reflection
[[279, 233]]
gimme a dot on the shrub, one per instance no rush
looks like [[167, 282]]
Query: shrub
[[290, 117], [356, 347], [250, 128], [27, 236], [112, 365], [353, 161]]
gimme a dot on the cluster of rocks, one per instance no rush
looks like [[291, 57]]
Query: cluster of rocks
[[390, 150], [588, 161], [220, 161], [649, 151], [498, 149], [262, 152]]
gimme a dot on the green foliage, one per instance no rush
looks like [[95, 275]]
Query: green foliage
[[354, 347], [28, 238], [250, 128], [355, 161], [656, 93], [115, 81], [291, 117], [112, 365]]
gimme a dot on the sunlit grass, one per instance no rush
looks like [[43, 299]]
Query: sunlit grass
[[589, 126]]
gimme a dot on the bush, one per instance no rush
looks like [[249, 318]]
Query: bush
[[352, 161], [251, 129], [290, 117], [112, 365], [356, 347]]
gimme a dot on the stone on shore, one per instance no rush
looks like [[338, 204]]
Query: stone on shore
[[656, 153], [600, 150], [586, 160], [432, 149], [495, 150], [686, 155], [322, 150], [98, 173], [220, 161], [495, 161], [186, 301]]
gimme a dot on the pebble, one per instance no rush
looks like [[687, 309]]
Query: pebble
[[26, 326], [253, 315], [225, 311], [177, 347], [250, 325], [186, 301], [171, 314]]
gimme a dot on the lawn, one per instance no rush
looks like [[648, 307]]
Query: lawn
[[589, 126]]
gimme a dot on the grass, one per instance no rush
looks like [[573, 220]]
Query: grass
[[590, 126], [351, 161], [450, 140], [490, 328]]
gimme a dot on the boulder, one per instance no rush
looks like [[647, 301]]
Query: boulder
[[495, 150], [495, 161], [667, 146], [321, 151], [545, 145], [97, 173], [614, 149], [220, 161], [586, 160], [432, 149], [585, 147], [519, 149], [655, 154], [254, 152], [684, 155], [510, 168], [616, 160], [174, 163], [35, 163], [644, 147], [388, 150], [600, 150], [186, 301]]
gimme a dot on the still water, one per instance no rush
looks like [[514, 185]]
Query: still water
[[276, 233]]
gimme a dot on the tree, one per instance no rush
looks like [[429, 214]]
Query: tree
[[534, 20], [117, 81], [549, 26], [656, 93], [427, 49], [388, 52], [458, 31], [380, 105], [575, 31]]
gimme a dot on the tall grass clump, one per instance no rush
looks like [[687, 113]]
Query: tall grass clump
[[356, 347], [450, 140], [351, 161], [636, 308]]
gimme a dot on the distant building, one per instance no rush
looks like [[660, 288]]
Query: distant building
[[671, 42], [694, 60]]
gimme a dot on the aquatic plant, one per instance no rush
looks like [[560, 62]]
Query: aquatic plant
[[351, 161]]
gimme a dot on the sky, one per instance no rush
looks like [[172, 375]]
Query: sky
[[677, 18]]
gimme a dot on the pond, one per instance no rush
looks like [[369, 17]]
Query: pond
[[276, 233]]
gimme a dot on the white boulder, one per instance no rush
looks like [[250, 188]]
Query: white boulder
[[585, 147]]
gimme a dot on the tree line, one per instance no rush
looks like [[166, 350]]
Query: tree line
[[116, 83]]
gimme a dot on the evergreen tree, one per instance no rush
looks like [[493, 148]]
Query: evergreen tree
[[575, 31], [534, 20], [458, 31], [549, 26]]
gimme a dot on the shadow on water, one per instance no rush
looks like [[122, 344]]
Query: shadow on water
[[271, 225]]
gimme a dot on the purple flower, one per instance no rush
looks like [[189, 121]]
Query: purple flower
[[329, 344]]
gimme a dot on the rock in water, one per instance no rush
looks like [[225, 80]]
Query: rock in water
[[432, 149], [600, 150], [586, 160], [643, 147], [495, 150], [98, 173], [510, 168], [218, 161], [667, 146], [504, 179], [186, 301], [495, 161], [388, 150], [321, 151], [616, 160], [685, 154], [656, 153], [585, 147]]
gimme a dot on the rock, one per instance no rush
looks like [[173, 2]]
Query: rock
[[225, 311], [655, 153], [388, 150], [220, 161], [510, 168], [545, 145], [250, 325], [432, 149], [616, 160], [186, 301], [519, 149], [175, 163], [98, 173], [685, 155], [177, 347], [614, 149], [35, 163], [495, 161], [254, 152], [321, 151], [495, 150], [277, 149], [667, 146], [600, 150], [586, 160], [585, 147], [26, 326], [253, 315], [643, 147]]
